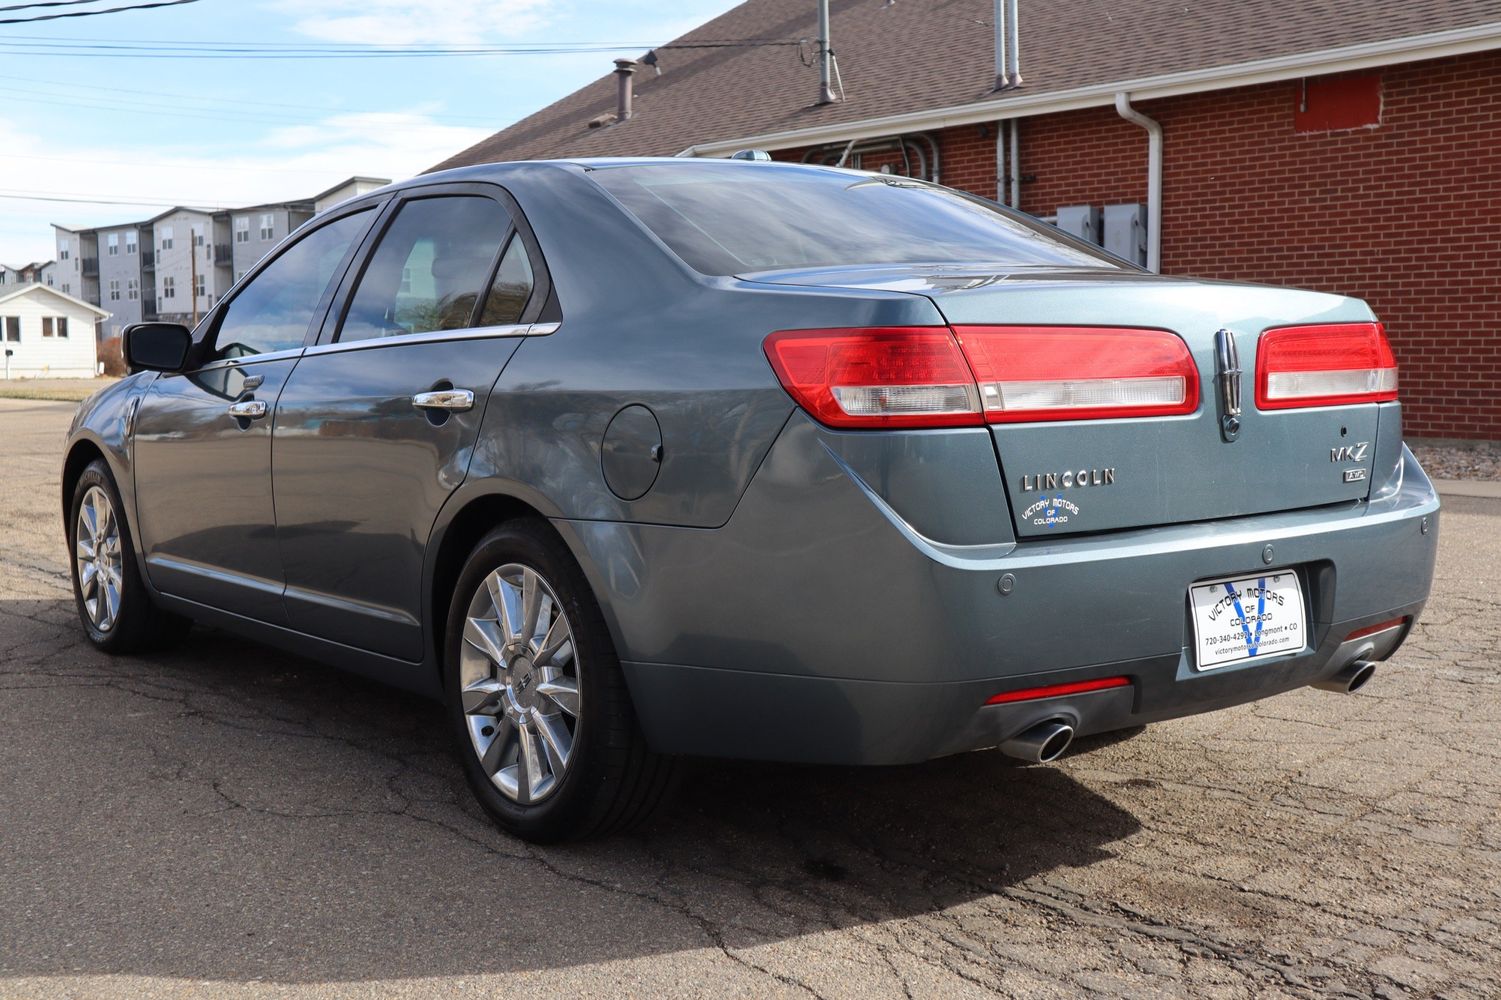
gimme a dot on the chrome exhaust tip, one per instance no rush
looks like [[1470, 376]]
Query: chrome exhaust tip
[[1350, 679], [1043, 743]]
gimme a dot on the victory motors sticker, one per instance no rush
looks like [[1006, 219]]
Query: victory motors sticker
[[1050, 513]]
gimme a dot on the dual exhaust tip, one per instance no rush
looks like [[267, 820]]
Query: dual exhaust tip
[[1045, 742]]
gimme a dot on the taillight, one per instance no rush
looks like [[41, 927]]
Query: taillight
[[877, 376], [1079, 373], [1324, 365]]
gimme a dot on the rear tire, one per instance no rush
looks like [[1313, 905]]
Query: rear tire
[[112, 601], [536, 701]]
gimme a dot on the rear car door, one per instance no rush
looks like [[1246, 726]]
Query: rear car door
[[376, 426], [202, 441]]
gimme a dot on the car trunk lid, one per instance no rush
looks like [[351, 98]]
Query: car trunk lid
[[1070, 476]]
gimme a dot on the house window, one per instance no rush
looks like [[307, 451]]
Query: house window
[[114, 290], [169, 287], [49, 283], [67, 288], [197, 236], [268, 226], [166, 237], [62, 326], [13, 329], [242, 229], [201, 287], [46, 326], [64, 249], [112, 244], [130, 242], [132, 289], [406, 281]]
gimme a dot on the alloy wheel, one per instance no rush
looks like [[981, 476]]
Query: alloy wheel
[[96, 541], [519, 683]]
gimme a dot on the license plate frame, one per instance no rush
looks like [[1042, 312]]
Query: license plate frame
[[1227, 631]]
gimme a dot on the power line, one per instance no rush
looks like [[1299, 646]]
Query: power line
[[109, 200], [47, 3], [242, 51], [90, 13]]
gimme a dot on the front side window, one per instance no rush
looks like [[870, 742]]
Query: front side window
[[430, 270], [273, 312], [732, 218]]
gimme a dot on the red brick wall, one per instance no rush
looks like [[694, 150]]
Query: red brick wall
[[1406, 215]]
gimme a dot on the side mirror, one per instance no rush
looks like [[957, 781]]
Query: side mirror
[[156, 347]]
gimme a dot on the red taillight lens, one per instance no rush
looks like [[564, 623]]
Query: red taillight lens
[[1079, 373], [1058, 690], [877, 376], [1324, 365]]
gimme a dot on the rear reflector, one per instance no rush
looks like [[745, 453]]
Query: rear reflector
[[877, 376], [1079, 373], [1326, 365], [1058, 690], [1361, 633]]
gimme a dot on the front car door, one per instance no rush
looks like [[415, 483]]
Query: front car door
[[376, 426], [202, 441]]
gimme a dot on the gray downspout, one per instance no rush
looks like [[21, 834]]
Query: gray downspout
[[1154, 178], [1000, 161], [1016, 163]]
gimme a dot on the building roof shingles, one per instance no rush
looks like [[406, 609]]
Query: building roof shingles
[[911, 55]]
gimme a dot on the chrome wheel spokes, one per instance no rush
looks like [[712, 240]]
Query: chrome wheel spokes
[[519, 683], [97, 554]]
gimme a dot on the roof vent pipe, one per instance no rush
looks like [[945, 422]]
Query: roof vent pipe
[[1008, 72], [825, 55], [1013, 45], [624, 70]]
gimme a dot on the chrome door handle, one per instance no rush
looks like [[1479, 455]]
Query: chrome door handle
[[444, 399], [250, 409]]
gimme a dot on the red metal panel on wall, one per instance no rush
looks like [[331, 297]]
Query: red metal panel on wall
[[1334, 103]]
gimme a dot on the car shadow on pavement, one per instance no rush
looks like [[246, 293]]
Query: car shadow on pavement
[[222, 811]]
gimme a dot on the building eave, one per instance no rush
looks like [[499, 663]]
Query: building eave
[[1019, 104]]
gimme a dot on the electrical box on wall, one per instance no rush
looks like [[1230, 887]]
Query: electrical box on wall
[[1082, 221], [1126, 232]]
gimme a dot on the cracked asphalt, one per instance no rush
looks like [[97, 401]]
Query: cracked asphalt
[[224, 820]]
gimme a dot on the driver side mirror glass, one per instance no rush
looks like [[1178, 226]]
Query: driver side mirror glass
[[156, 347]]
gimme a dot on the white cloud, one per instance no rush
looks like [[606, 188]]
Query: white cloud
[[284, 164], [408, 22]]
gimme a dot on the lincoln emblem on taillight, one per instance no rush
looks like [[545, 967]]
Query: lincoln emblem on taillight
[[1228, 359]]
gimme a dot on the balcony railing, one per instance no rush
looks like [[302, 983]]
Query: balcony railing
[[223, 254], [148, 258], [90, 266]]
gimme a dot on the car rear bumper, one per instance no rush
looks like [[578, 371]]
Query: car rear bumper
[[818, 626]]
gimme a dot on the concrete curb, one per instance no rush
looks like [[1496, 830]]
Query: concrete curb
[[1468, 488]]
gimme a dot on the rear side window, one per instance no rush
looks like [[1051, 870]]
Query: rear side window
[[431, 268], [272, 313], [511, 288], [734, 218]]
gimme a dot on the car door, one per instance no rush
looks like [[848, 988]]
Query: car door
[[376, 426], [202, 438]]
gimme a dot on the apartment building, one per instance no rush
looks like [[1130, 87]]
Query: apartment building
[[259, 228]]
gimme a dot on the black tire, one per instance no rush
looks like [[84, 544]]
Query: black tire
[[613, 781], [138, 624]]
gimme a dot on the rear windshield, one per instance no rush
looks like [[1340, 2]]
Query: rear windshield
[[733, 218]]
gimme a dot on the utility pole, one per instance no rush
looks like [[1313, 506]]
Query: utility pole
[[825, 55], [193, 269]]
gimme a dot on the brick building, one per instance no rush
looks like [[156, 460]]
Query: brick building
[[1352, 147]]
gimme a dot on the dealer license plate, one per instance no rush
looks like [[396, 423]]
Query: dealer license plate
[[1253, 616]]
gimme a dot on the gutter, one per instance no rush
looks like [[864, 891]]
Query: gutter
[[1154, 177], [1414, 48]]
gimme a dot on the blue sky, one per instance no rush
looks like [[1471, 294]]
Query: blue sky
[[238, 131]]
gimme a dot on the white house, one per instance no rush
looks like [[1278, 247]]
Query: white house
[[46, 334]]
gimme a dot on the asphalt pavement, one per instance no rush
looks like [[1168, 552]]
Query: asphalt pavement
[[222, 820]]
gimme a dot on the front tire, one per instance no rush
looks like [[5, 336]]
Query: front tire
[[116, 610], [537, 704]]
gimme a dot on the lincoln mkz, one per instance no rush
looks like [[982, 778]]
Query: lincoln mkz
[[633, 460]]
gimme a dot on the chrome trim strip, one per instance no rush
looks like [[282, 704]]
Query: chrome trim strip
[[249, 359], [431, 337], [543, 329]]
